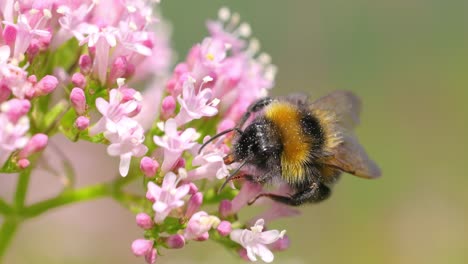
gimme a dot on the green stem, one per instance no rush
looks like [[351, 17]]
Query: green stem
[[7, 231], [22, 188], [68, 197], [4, 208]]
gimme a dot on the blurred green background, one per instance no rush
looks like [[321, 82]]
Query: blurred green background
[[407, 60]]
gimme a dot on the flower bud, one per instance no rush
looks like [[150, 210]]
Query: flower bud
[[78, 80], [151, 256], [194, 204], [23, 163], [37, 143], [15, 108], [168, 106], [78, 100], [175, 241], [144, 221], [224, 228], [85, 63], [9, 35], [141, 247], [225, 207], [46, 85], [149, 166], [82, 123], [118, 69]]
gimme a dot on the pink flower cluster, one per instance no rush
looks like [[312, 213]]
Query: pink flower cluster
[[17, 88], [221, 76], [228, 63]]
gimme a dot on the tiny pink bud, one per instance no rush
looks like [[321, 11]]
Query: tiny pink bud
[[168, 106], [16, 108], [78, 80], [225, 207], [82, 123], [9, 34], [194, 204], [23, 163], [46, 85], [118, 69], [148, 166], [85, 63], [32, 79], [281, 244], [224, 228], [5, 92], [175, 241], [78, 100], [37, 143], [144, 221], [141, 247], [151, 256], [193, 188], [128, 94]]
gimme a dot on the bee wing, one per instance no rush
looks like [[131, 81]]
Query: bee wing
[[344, 104], [349, 156]]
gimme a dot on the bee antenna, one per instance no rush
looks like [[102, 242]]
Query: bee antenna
[[229, 178], [219, 135]]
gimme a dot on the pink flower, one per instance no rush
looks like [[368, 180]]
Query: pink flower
[[82, 123], [46, 85], [224, 228], [37, 143], [195, 105], [141, 247], [199, 225], [78, 100], [112, 111], [12, 136], [255, 240], [210, 162], [144, 221], [148, 166], [167, 197], [127, 142], [175, 241], [194, 204], [174, 144]]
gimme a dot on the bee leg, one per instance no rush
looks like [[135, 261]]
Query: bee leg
[[315, 193], [253, 108]]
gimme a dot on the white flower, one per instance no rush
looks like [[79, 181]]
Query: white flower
[[254, 240], [12, 136], [174, 143], [112, 112], [126, 142], [167, 197]]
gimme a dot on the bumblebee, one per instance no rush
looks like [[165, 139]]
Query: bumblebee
[[306, 144]]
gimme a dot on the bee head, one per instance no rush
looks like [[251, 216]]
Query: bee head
[[257, 144]]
